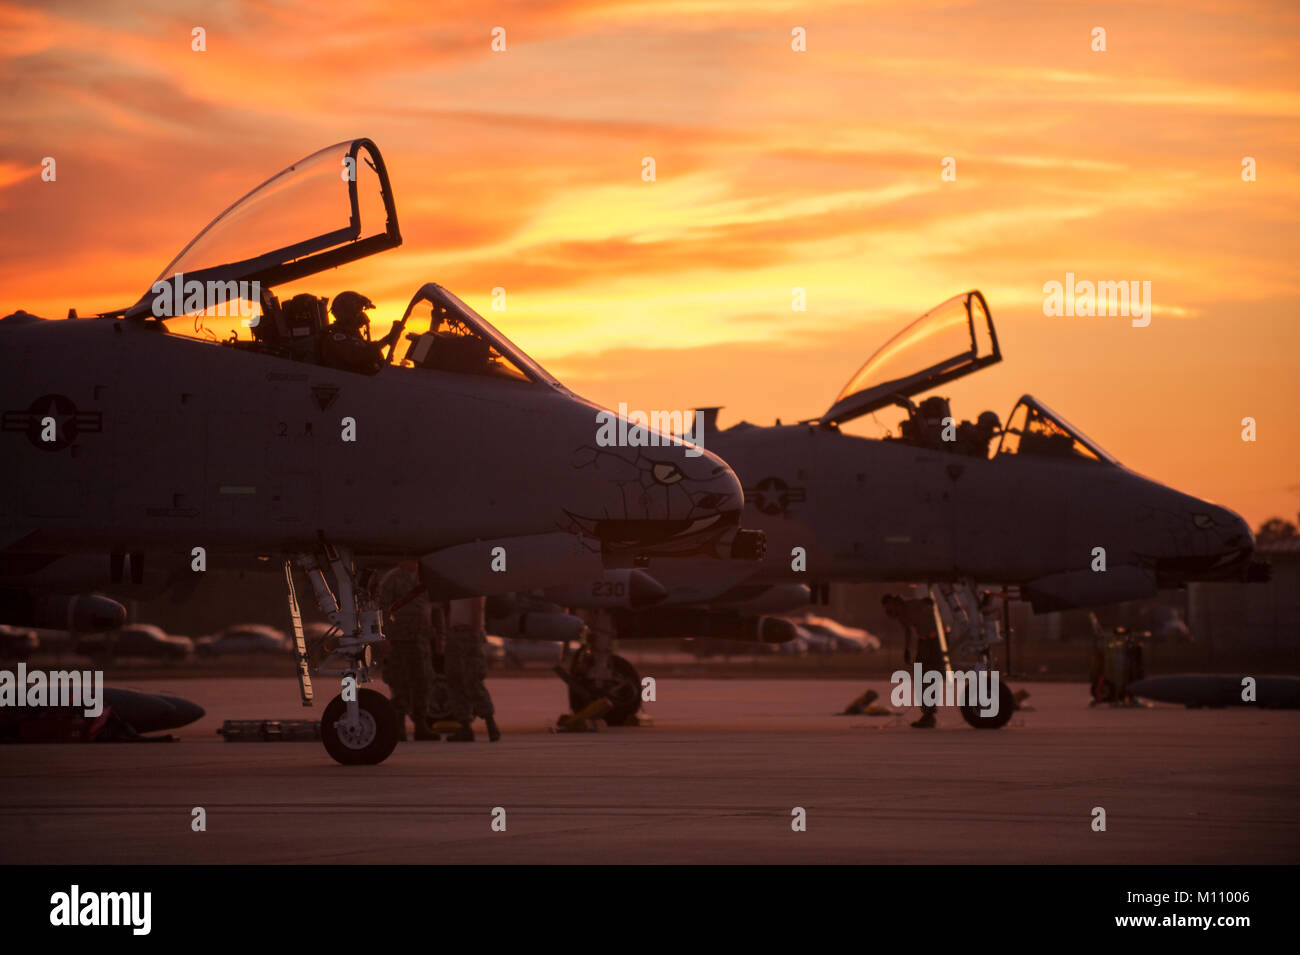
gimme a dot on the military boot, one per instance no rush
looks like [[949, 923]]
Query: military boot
[[423, 730], [464, 735], [926, 722], [494, 731]]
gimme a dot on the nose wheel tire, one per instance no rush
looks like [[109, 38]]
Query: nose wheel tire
[[1006, 707], [371, 739], [623, 688]]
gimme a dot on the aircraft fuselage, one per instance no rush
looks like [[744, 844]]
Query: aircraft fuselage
[[865, 509]]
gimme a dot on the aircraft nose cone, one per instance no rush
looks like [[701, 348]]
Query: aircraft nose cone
[[1192, 539], [1224, 529], [654, 494], [716, 497], [1237, 532], [716, 488]]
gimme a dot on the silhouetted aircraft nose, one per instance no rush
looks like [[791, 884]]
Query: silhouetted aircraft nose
[[659, 499], [1239, 541], [1197, 540], [717, 501], [1236, 532]]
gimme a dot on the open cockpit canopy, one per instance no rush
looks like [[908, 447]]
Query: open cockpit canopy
[[333, 207], [948, 342]]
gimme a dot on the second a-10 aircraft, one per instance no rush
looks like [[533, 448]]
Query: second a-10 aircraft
[[1034, 508]]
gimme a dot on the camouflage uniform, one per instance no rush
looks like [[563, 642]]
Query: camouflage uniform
[[923, 640], [465, 662], [408, 669]]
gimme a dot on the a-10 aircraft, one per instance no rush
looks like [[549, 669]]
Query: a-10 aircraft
[[1023, 508], [136, 455], [139, 455]]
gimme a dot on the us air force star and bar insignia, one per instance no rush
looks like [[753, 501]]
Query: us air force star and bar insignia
[[52, 422], [772, 495]]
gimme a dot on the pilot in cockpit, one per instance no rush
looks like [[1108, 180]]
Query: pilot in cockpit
[[925, 425], [974, 439], [929, 426], [346, 343]]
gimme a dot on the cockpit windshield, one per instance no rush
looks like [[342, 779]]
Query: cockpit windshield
[[460, 340], [333, 207], [1034, 429], [947, 342]]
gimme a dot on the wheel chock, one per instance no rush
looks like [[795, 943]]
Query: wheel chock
[[587, 719], [881, 711], [862, 704]]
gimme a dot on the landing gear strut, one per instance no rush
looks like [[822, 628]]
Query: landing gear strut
[[975, 632], [359, 725]]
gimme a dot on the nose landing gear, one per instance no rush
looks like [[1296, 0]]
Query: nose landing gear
[[975, 632], [359, 726]]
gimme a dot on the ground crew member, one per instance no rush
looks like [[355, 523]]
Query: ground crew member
[[920, 641], [408, 625], [465, 663], [346, 343]]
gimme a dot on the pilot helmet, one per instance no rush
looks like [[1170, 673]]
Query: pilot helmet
[[935, 406], [348, 309], [988, 421]]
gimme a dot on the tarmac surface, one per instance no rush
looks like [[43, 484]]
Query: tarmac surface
[[714, 780]]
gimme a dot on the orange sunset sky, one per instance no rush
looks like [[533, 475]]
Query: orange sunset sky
[[775, 169]]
